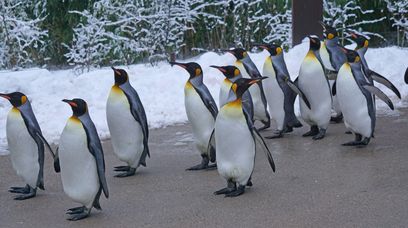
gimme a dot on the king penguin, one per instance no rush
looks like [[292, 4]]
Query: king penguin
[[333, 58], [313, 82], [248, 70], [82, 161], [201, 112], [280, 91], [361, 48], [127, 124], [355, 97], [26, 145], [232, 74], [236, 139]]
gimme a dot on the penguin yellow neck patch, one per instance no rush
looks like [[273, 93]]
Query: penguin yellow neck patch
[[188, 85], [116, 89], [74, 119]]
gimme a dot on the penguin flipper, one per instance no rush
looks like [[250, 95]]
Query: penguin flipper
[[46, 143], [295, 89], [334, 89], [211, 147], [207, 99], [406, 76], [264, 147], [376, 91], [381, 79]]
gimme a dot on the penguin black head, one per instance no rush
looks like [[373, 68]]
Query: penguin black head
[[239, 53], [193, 68], [228, 71], [329, 31], [314, 42], [79, 106], [16, 98], [242, 84], [121, 76], [273, 49], [361, 41], [352, 56]]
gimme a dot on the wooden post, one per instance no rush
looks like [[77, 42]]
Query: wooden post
[[305, 17]]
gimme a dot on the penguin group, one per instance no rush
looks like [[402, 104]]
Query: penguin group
[[332, 79]]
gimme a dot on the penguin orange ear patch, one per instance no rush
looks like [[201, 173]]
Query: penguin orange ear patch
[[278, 50], [197, 71], [234, 87], [366, 43], [23, 99], [330, 36], [357, 59], [236, 72]]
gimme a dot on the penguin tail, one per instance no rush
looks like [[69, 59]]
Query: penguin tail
[[143, 163], [96, 203], [41, 185]]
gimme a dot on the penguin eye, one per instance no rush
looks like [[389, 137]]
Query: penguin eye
[[197, 71], [330, 36], [236, 72], [23, 99]]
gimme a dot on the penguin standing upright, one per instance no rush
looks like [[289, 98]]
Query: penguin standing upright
[[361, 48], [313, 82], [127, 124], [280, 91], [355, 97], [201, 111], [333, 58], [249, 70], [82, 161], [26, 145], [236, 139], [232, 74]]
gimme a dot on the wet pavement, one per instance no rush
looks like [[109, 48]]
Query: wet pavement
[[317, 184]]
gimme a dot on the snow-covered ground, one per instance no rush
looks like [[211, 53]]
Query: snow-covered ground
[[161, 88]]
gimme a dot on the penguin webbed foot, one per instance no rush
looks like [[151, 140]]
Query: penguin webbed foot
[[127, 173], [212, 166], [122, 168], [314, 130], [31, 193], [80, 214], [348, 132], [239, 191], [266, 125], [278, 134], [21, 190], [358, 141], [231, 187], [203, 165], [76, 210], [320, 135]]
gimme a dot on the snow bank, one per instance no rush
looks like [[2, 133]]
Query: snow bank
[[161, 88]]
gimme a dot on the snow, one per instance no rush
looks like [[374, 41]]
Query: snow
[[161, 88]]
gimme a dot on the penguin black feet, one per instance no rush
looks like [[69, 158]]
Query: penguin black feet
[[239, 191], [78, 213], [126, 171], [337, 119], [314, 131], [278, 134], [203, 165], [266, 125], [348, 132], [320, 135], [358, 142], [26, 192], [231, 187]]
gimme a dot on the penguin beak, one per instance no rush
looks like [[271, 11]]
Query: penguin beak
[[256, 80], [323, 24], [178, 64], [115, 70], [354, 35], [219, 68], [261, 46], [5, 96], [70, 102], [229, 51]]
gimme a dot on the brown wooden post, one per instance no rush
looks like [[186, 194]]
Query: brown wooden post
[[305, 17]]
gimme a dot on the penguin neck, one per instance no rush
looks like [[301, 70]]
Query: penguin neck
[[361, 51], [196, 81], [234, 79], [332, 42], [277, 60]]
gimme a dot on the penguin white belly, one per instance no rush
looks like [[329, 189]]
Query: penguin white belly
[[126, 132], [274, 95], [78, 167], [353, 103], [200, 118], [224, 91], [235, 145], [314, 85], [23, 148], [255, 91]]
